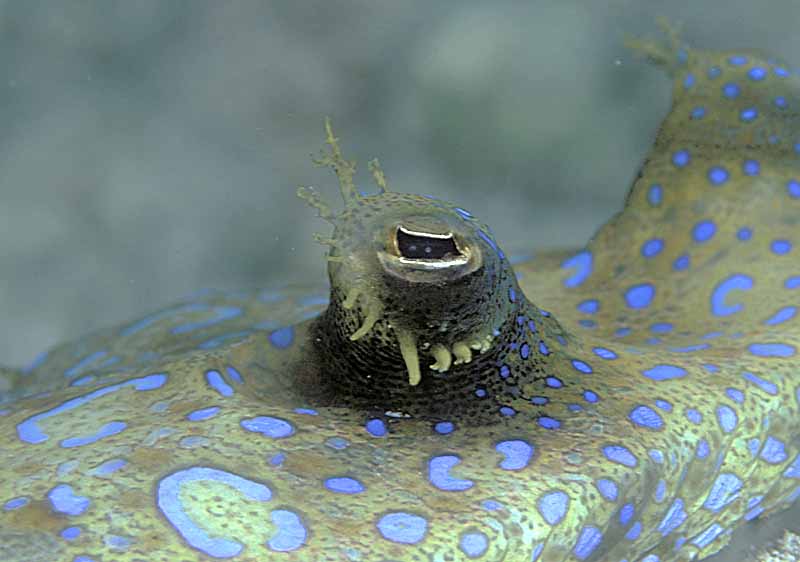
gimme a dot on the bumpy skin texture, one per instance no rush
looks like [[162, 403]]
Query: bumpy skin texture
[[636, 400]]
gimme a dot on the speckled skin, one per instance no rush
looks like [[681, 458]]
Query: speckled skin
[[635, 400]]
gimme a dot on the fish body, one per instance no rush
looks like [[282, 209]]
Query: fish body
[[636, 399]]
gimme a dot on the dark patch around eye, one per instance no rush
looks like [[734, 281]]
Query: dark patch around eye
[[413, 246]]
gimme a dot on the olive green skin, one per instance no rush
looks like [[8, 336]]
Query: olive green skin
[[484, 504]]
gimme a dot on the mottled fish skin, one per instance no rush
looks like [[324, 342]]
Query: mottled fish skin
[[634, 400]]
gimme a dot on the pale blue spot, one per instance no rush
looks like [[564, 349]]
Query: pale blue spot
[[85, 362], [640, 296], [376, 427], [718, 175], [203, 414], [608, 489], [774, 451], [473, 544], [772, 350], [783, 315], [652, 247], [109, 467], [681, 158], [674, 517], [620, 455], [553, 507], [589, 539], [16, 503], [646, 417], [444, 427], [707, 537], [604, 353], [269, 426], [704, 231], [727, 418], [634, 532], [282, 337], [221, 314], [402, 527], [724, 490], [664, 372], [765, 385], [344, 485], [109, 429], [70, 533], [64, 500]]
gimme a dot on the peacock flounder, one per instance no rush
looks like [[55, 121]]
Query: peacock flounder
[[635, 400]]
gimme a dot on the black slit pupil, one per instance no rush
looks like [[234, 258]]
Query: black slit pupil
[[414, 246]]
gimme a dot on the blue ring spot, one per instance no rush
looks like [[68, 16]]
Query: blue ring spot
[[171, 506], [756, 73], [29, 432], [439, 474], [517, 453], [736, 282], [582, 264]]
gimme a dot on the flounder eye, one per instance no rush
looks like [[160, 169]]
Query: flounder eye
[[425, 245]]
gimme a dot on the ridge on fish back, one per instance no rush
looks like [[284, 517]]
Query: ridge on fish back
[[634, 400]]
